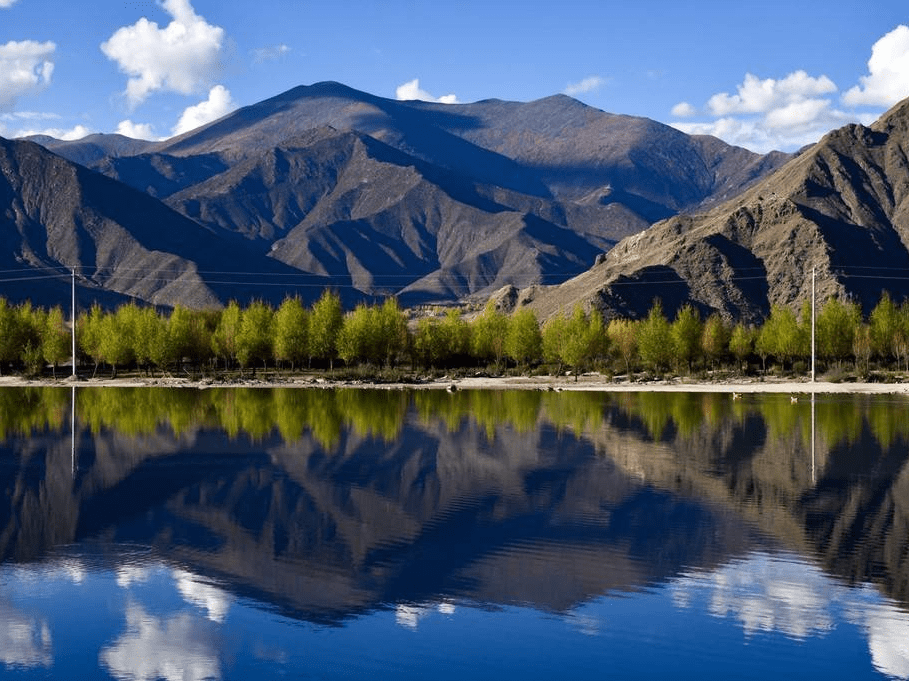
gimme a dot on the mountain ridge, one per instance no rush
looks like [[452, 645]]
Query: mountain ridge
[[840, 207], [497, 193]]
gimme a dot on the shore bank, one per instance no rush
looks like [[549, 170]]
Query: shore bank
[[587, 382]]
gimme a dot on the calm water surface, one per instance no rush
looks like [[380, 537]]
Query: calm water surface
[[329, 534]]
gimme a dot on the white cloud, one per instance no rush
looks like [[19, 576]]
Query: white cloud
[[767, 114], [589, 84], [176, 649], [887, 81], [683, 110], [219, 103], [75, 133], [25, 68], [6, 3], [184, 57], [264, 54], [412, 90], [139, 131], [763, 96]]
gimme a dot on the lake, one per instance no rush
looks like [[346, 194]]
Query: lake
[[341, 533]]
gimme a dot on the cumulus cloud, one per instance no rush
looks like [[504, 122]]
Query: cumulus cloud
[[683, 110], [183, 57], [219, 103], [788, 113], [6, 3], [25, 68], [139, 131], [887, 81], [412, 90], [589, 84], [767, 114], [762, 96]]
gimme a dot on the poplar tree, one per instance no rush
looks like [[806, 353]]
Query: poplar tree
[[291, 331], [224, 338], [523, 341], [715, 339], [655, 338], [325, 322], [487, 335], [56, 340], [254, 342], [686, 332], [623, 339]]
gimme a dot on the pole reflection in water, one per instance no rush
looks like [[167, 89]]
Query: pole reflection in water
[[502, 533]]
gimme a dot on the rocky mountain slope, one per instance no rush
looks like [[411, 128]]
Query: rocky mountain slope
[[431, 202], [58, 216], [841, 208]]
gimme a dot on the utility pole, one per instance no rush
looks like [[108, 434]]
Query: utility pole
[[813, 270], [73, 308]]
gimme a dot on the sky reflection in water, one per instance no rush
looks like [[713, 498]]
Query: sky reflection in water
[[349, 534]]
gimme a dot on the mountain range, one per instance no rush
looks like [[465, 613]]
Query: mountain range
[[326, 186], [839, 211]]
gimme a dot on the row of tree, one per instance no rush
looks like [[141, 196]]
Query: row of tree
[[385, 335]]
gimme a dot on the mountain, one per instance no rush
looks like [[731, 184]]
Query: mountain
[[435, 203], [841, 208], [122, 243]]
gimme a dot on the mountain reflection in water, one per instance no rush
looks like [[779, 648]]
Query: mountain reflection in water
[[327, 506]]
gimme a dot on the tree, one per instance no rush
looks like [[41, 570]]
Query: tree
[[715, 339], [686, 332], [89, 334], [428, 348], [454, 334], [862, 349], [392, 329], [116, 346], [585, 339], [487, 335], [30, 323], [56, 339], [254, 342], [8, 333], [224, 338], [149, 332], [554, 335], [523, 341], [741, 343], [655, 338], [325, 322], [884, 322], [623, 339], [291, 332], [779, 336], [357, 337], [836, 325]]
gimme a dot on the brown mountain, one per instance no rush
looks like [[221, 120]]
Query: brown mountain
[[433, 202], [58, 216], [841, 207]]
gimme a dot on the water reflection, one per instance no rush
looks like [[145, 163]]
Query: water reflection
[[329, 506]]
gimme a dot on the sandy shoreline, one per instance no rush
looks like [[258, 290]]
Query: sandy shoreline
[[587, 382]]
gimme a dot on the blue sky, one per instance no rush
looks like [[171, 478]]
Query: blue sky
[[763, 75]]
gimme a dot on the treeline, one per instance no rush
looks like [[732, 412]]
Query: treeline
[[295, 336]]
